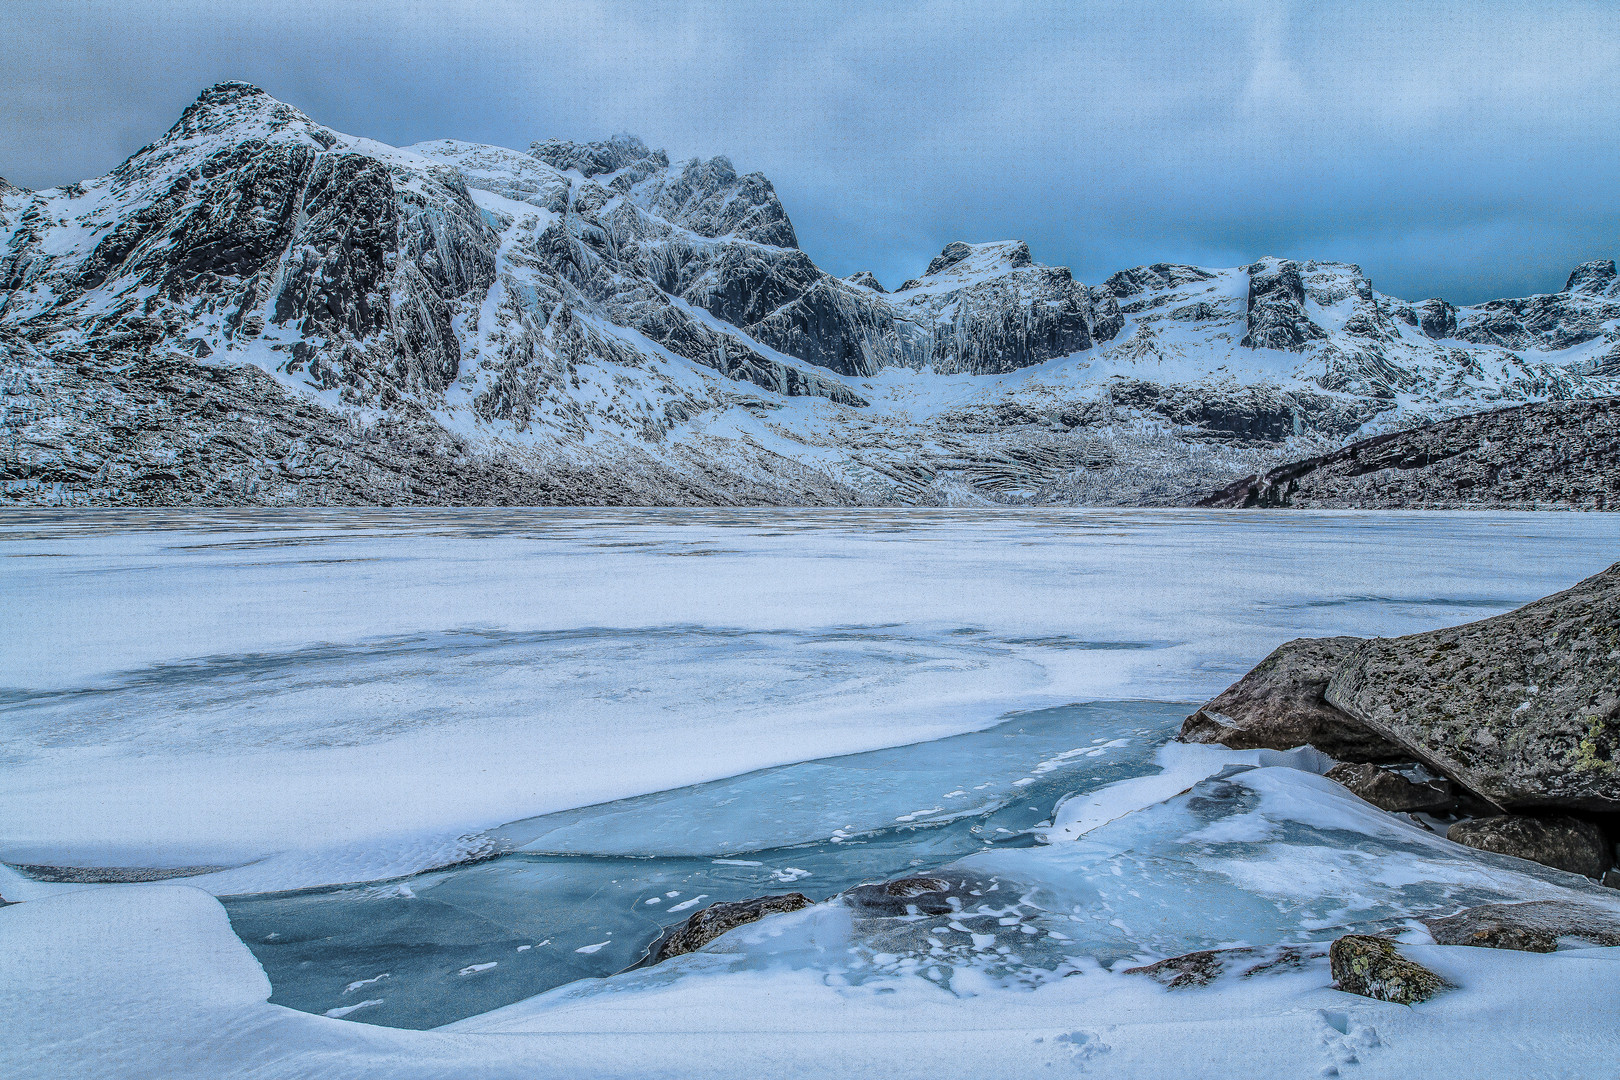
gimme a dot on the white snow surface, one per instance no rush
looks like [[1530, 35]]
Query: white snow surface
[[313, 698], [168, 661], [149, 981]]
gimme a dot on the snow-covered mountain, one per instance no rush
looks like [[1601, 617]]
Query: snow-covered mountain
[[256, 308]]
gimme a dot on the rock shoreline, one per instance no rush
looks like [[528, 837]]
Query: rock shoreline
[[1517, 716]]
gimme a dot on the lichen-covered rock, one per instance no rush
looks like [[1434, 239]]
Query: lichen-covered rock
[[1280, 705], [714, 920], [1535, 926], [1373, 967], [1522, 709], [1564, 843], [1390, 791]]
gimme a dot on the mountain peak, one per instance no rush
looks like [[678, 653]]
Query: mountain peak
[[997, 254], [960, 261], [247, 110], [596, 158], [866, 279], [1596, 277]]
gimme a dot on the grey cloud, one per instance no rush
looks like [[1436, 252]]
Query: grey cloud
[[1456, 149]]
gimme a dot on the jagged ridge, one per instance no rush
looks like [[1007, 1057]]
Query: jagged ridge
[[595, 302]]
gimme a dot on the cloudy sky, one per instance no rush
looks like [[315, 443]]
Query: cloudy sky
[[1465, 149]]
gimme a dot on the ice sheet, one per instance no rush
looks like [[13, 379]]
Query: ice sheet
[[342, 696], [586, 892]]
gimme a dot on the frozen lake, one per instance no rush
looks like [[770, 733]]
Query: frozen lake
[[438, 762]]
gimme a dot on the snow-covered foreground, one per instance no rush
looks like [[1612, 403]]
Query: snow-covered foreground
[[149, 981], [306, 698]]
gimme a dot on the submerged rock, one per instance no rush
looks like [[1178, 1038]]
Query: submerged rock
[[909, 895], [714, 920], [1280, 705], [1390, 791], [1522, 709], [1564, 843], [1373, 967], [1530, 927]]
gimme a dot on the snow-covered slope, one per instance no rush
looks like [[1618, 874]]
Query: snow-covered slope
[[587, 322]]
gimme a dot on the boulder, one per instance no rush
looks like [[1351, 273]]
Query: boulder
[[1531, 927], [1523, 709], [1565, 843], [1373, 967], [714, 920], [1391, 791], [1280, 705]]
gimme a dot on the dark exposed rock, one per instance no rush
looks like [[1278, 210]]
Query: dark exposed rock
[[1258, 413], [1191, 970], [1390, 791], [867, 280], [1201, 968], [1277, 318], [248, 212], [1549, 322], [107, 875], [712, 200], [1158, 276], [1554, 454], [1535, 926], [714, 920], [596, 158], [1373, 967], [1437, 319], [1280, 705], [8, 188], [989, 309], [1597, 278], [1522, 709], [160, 430], [1564, 843], [958, 251]]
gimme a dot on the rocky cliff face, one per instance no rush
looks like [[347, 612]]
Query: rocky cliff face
[[595, 302], [246, 218], [1555, 454]]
